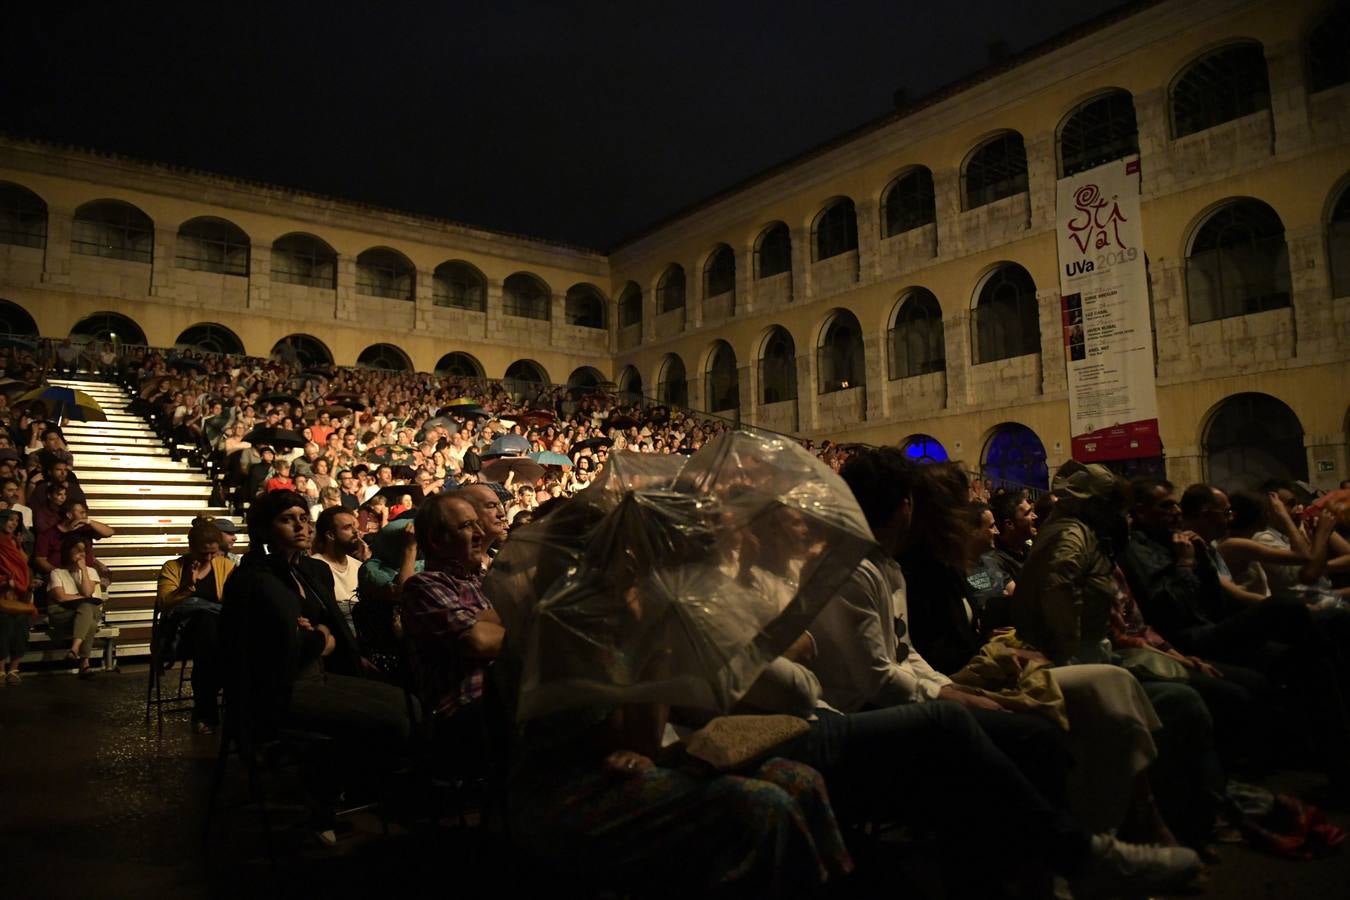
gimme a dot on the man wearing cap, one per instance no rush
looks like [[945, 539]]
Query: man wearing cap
[[1068, 585], [229, 533]]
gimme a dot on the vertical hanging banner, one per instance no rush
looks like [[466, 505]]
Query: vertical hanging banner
[[1108, 341]]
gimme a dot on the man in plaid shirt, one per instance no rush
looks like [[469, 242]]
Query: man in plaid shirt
[[454, 632]]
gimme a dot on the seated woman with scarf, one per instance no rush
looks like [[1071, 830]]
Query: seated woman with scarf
[[189, 591], [16, 596]]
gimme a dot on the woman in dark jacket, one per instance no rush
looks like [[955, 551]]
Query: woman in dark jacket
[[292, 660]]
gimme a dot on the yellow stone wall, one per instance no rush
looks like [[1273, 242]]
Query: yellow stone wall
[[1294, 157]]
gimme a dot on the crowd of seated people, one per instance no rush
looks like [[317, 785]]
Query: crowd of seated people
[[1066, 684], [53, 578]]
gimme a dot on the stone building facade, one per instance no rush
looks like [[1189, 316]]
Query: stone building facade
[[843, 294]]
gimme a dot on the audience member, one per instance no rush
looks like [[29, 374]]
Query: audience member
[[453, 631], [74, 607], [189, 593], [290, 658], [16, 597]]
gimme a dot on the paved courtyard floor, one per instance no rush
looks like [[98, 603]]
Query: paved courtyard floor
[[95, 804]]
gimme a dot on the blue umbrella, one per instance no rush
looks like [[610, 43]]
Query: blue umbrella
[[549, 458], [65, 403], [507, 445]]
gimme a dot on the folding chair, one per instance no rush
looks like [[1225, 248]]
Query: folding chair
[[154, 697]]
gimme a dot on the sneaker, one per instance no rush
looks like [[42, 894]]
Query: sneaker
[[1115, 868], [12, 677]]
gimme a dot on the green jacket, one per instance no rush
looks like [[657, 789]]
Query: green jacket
[[1064, 594]]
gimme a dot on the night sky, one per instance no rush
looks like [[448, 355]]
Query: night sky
[[579, 122]]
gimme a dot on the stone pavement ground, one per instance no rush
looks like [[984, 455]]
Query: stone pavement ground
[[94, 804]]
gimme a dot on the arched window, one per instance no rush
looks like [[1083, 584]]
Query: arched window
[[1101, 130], [585, 377], [840, 356], [1238, 263], [109, 326], [303, 350], [835, 230], [1015, 458], [722, 382], [630, 305], [670, 289], [207, 244], [917, 338], [997, 169], [630, 385], [773, 251], [673, 386], [115, 230], [459, 365], [1226, 84], [458, 285], [386, 357], [778, 367], [1006, 321], [923, 448], [304, 259], [1338, 245], [23, 217], [908, 203], [525, 296], [1328, 62], [1251, 438], [15, 321], [719, 273], [526, 371], [381, 272], [584, 307], [210, 337]]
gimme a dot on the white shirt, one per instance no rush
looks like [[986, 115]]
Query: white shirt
[[857, 647], [65, 579], [344, 578]]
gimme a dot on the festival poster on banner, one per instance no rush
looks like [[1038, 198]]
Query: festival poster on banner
[[1108, 342]]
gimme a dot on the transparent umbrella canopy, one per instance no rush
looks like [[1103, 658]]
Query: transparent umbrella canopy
[[675, 579]]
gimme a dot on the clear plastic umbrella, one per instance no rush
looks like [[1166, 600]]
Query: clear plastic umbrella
[[675, 580]]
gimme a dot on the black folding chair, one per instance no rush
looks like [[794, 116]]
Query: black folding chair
[[154, 694]]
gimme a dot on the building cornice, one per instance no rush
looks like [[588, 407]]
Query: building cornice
[[981, 97], [290, 204]]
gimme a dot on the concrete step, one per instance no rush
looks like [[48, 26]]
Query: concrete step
[[139, 523], [153, 506], [124, 420], [106, 449], [85, 443], [133, 488], [132, 589], [123, 476], [143, 546], [132, 463], [104, 431]]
